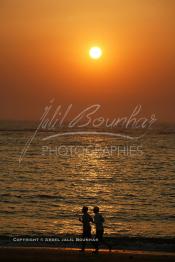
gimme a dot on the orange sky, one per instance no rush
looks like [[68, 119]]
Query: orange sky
[[44, 54]]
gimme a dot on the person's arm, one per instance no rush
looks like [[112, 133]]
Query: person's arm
[[102, 219], [95, 220]]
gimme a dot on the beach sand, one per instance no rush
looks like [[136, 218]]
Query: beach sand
[[30, 254]]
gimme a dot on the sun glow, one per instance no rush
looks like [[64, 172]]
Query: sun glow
[[95, 52]]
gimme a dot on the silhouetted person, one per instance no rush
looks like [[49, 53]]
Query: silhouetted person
[[99, 220], [86, 219]]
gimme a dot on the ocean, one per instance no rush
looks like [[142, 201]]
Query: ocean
[[132, 181]]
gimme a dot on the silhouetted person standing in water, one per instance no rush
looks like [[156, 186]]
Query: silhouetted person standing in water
[[98, 221], [86, 219]]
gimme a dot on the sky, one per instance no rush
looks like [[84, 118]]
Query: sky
[[44, 54]]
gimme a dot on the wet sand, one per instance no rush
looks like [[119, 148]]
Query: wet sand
[[30, 254]]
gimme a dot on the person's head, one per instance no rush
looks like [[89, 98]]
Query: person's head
[[96, 210], [84, 209]]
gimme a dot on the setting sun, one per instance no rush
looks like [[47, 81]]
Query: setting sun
[[95, 52]]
